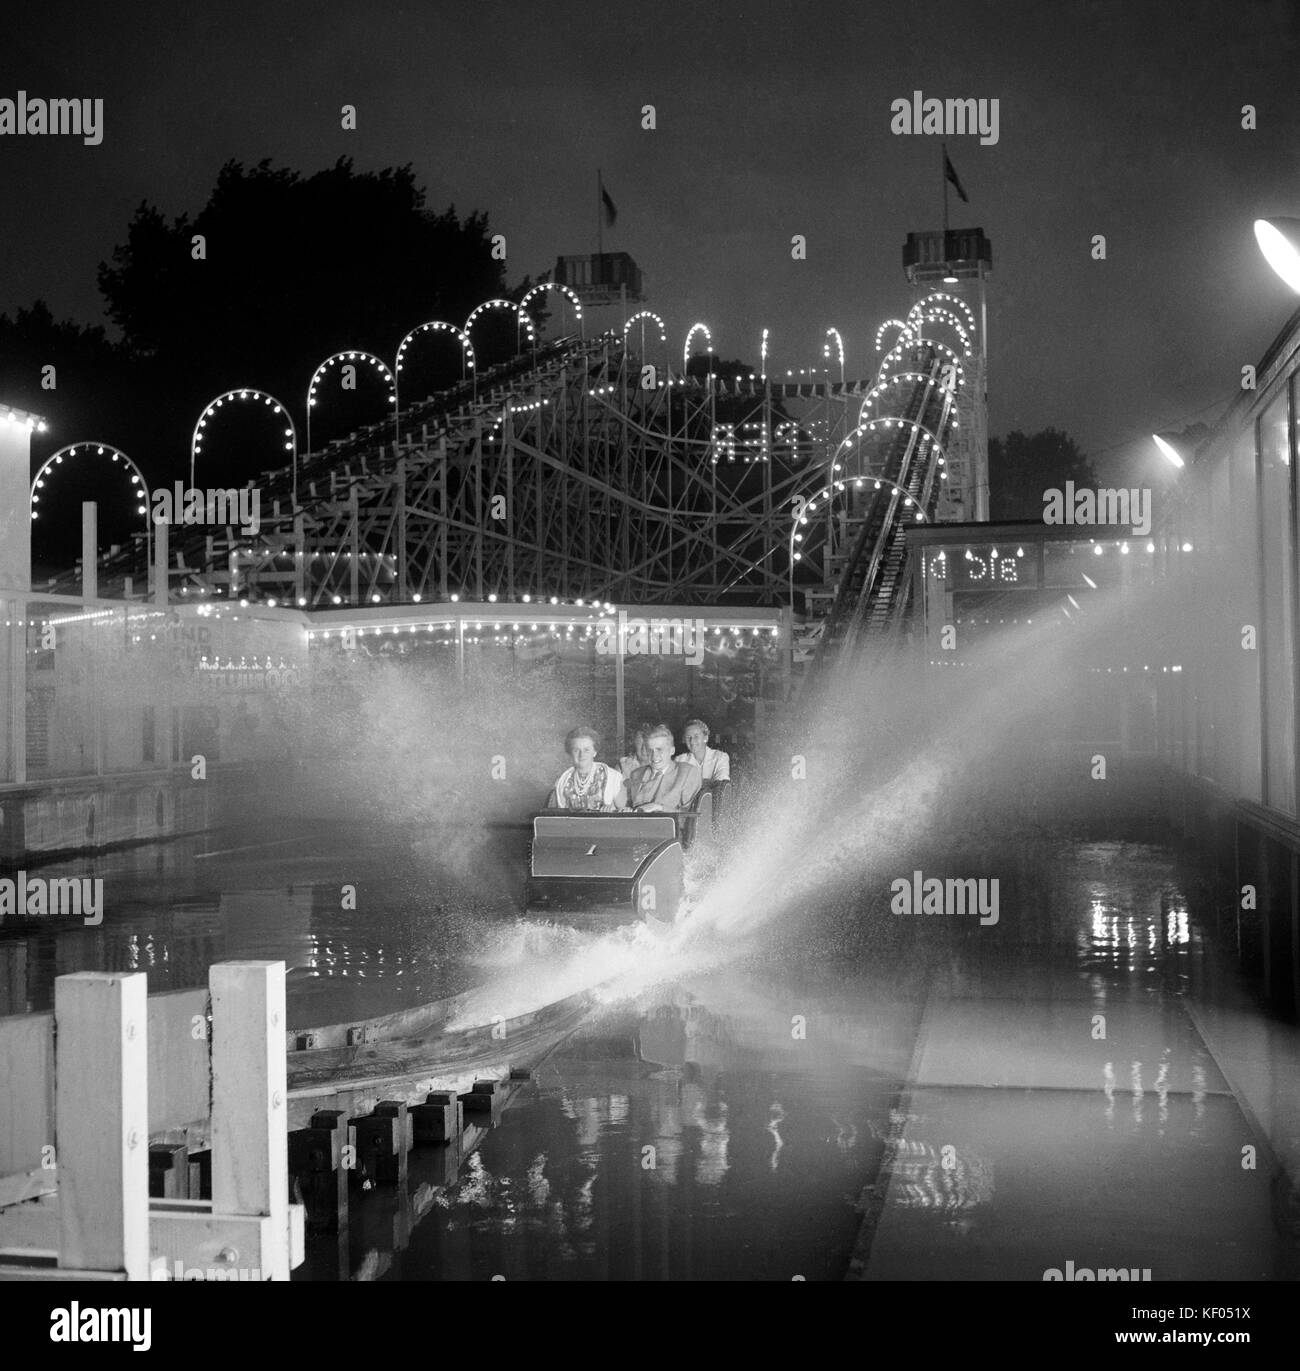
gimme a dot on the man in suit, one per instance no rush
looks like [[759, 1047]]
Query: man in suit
[[664, 784]]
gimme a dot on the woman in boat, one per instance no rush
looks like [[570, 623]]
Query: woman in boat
[[588, 784], [714, 764], [640, 754]]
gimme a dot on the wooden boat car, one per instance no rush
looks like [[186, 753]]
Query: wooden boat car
[[589, 867]]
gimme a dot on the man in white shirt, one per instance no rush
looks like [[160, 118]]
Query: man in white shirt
[[714, 764]]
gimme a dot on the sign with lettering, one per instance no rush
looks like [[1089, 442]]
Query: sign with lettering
[[982, 568]]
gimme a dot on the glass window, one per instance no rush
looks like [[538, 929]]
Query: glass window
[[1242, 585], [1216, 702], [1082, 565], [1278, 637], [147, 736]]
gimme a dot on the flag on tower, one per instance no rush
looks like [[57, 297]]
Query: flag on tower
[[610, 212], [951, 174]]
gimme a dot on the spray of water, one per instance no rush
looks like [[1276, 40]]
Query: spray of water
[[891, 760]]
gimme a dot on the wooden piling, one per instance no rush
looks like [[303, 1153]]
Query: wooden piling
[[250, 1139], [101, 1066]]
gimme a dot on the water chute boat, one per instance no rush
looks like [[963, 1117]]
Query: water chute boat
[[628, 867]]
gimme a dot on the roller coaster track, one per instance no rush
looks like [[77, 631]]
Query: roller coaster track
[[871, 596], [565, 475], [579, 471]]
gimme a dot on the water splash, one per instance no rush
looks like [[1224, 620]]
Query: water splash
[[892, 760]]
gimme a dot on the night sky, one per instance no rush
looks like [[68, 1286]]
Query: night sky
[[773, 119]]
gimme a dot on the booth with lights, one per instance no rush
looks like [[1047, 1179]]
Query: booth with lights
[[978, 582], [616, 666]]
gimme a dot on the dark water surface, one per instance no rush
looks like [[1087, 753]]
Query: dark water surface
[[909, 1097], [411, 932]]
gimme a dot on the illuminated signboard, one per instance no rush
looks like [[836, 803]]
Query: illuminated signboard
[[982, 568]]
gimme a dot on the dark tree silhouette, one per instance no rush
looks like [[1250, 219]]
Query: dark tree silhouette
[[86, 386], [1022, 466], [292, 269]]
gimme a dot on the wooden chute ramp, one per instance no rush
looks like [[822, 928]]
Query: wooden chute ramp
[[190, 1135]]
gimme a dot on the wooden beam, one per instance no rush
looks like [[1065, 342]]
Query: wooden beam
[[101, 1068], [250, 1144], [180, 1231], [222, 1246], [27, 1088], [30, 1228], [28, 1185], [45, 1270]]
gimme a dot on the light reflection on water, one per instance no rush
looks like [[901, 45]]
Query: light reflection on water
[[412, 933], [763, 1072], [690, 1132], [685, 1136]]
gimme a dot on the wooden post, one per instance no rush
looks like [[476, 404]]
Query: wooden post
[[354, 543], [16, 614], [250, 1143], [300, 556], [316, 1160], [101, 1063], [160, 556], [403, 587], [620, 689], [440, 487], [381, 1148], [438, 1119], [89, 552]]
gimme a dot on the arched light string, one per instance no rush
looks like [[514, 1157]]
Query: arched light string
[[894, 356], [948, 320], [839, 346], [115, 454], [950, 354], [882, 423], [644, 314], [432, 326], [945, 299], [350, 356], [933, 308], [247, 393], [686, 347], [564, 290], [88, 449], [522, 317], [881, 387], [437, 326], [945, 315], [828, 492], [905, 331]]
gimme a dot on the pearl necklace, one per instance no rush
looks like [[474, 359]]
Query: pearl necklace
[[580, 787]]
